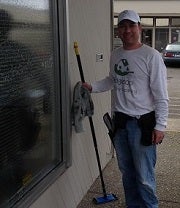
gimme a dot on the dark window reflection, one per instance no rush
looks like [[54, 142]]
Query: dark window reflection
[[147, 36], [27, 95], [161, 37]]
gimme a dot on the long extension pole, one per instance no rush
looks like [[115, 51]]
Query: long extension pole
[[109, 197]]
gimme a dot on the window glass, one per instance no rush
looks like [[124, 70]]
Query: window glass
[[30, 146], [115, 21], [162, 22], [175, 35], [146, 36], [161, 38], [175, 21], [146, 22], [116, 33], [173, 47]]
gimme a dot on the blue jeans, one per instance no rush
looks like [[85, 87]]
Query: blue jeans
[[137, 165]]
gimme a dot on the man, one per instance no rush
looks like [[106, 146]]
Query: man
[[138, 82]]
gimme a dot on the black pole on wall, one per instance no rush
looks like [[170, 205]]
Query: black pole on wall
[[106, 197]]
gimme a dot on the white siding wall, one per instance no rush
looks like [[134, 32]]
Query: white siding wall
[[90, 26]]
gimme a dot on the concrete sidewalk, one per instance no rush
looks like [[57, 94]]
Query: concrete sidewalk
[[167, 172]]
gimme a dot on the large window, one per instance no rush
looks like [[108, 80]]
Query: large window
[[162, 22], [147, 21], [161, 38], [31, 131], [175, 31], [146, 36], [161, 33], [175, 35], [175, 21]]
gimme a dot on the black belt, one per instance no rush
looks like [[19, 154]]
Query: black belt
[[120, 119], [125, 116]]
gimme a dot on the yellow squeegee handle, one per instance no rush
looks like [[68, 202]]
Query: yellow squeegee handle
[[79, 61], [76, 48]]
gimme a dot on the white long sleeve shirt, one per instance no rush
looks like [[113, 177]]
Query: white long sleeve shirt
[[138, 80]]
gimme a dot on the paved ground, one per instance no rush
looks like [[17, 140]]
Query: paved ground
[[168, 178]]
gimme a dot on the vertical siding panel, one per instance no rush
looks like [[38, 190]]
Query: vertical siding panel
[[81, 166], [51, 198], [58, 199], [66, 192]]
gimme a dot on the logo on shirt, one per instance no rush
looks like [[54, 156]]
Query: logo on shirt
[[122, 68]]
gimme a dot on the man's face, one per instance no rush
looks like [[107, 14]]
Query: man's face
[[129, 32]]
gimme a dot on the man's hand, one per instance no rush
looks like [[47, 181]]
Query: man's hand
[[157, 136], [87, 86]]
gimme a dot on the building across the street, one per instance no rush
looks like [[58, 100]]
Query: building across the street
[[160, 21]]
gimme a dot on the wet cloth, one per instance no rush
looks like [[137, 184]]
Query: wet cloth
[[82, 106]]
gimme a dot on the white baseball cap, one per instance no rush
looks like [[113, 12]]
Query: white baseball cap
[[129, 15]]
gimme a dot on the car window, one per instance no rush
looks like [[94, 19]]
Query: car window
[[173, 47]]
